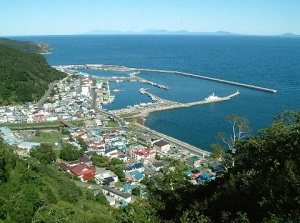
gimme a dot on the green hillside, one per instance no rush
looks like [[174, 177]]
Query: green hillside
[[35, 192], [24, 77], [25, 46]]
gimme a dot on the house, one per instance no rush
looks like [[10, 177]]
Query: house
[[109, 181], [116, 194], [142, 154], [128, 187], [111, 201], [162, 146], [137, 166], [123, 158], [137, 176], [85, 159], [204, 177], [157, 166], [104, 175], [193, 161], [83, 171], [28, 145], [111, 153]]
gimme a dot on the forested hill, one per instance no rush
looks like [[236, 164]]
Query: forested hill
[[35, 191], [24, 77], [25, 46]]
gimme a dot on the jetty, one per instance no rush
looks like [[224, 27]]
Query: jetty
[[160, 104]]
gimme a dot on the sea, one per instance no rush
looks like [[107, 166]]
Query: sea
[[271, 62]]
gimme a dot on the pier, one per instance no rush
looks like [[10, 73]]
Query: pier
[[162, 104]]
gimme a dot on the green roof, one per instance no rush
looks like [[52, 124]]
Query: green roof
[[193, 158]]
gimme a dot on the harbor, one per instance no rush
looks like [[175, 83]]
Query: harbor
[[138, 70]]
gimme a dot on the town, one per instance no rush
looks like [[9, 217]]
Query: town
[[71, 109]]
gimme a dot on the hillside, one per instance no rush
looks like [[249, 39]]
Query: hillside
[[36, 192], [25, 46], [24, 77]]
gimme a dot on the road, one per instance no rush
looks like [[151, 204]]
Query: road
[[47, 94]]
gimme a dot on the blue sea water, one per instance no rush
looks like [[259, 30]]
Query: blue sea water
[[271, 62]]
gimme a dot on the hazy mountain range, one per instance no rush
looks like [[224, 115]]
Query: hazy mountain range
[[166, 32]]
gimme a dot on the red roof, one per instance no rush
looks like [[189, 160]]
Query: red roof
[[82, 169], [88, 176]]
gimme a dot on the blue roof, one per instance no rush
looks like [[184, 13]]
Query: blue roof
[[110, 150], [204, 177], [10, 140], [129, 168], [138, 176], [138, 165], [129, 187], [134, 172], [5, 130], [28, 145]]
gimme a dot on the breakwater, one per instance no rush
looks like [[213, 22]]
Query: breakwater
[[137, 70], [212, 79]]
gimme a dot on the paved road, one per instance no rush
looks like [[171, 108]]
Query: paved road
[[121, 121], [47, 94]]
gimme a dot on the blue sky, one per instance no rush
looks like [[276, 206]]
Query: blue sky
[[61, 17]]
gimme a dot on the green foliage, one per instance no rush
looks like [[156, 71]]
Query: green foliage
[[82, 143], [24, 76], [262, 186], [69, 152], [44, 153], [37, 192], [25, 46], [100, 161], [117, 167], [136, 191]]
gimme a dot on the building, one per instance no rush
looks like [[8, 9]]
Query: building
[[116, 194], [162, 146]]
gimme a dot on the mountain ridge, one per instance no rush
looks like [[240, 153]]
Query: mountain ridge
[[152, 31]]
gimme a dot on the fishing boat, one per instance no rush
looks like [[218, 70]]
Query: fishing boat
[[212, 97]]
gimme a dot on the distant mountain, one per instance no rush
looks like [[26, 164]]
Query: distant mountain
[[157, 32], [289, 35]]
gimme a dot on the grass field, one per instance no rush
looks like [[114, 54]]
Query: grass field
[[50, 137]]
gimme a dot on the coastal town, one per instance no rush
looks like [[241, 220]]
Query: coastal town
[[72, 108]]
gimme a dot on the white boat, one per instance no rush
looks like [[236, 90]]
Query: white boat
[[212, 97]]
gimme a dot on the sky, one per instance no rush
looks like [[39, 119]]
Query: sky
[[67, 17]]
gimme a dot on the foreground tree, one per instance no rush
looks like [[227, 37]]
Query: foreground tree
[[69, 152], [44, 153]]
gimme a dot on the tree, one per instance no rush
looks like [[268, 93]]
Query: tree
[[223, 152], [69, 152], [100, 161], [240, 130], [82, 143], [136, 191], [44, 153]]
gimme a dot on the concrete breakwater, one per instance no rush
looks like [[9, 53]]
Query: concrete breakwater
[[123, 68], [212, 79]]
